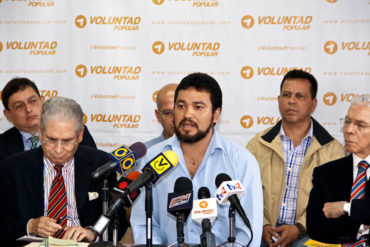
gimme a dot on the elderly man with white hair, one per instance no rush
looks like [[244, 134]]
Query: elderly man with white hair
[[339, 206]]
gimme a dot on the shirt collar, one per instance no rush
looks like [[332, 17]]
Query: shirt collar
[[357, 160], [308, 136]]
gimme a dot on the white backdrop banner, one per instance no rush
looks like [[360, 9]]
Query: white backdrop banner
[[112, 55]]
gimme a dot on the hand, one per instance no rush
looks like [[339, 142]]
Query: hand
[[366, 227], [79, 233], [288, 235], [43, 227], [267, 233], [333, 209]]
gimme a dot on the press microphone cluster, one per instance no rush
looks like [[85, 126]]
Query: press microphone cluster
[[180, 203], [123, 159], [152, 171]]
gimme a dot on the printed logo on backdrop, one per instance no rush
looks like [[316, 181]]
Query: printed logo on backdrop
[[331, 1], [154, 96], [331, 47], [247, 21], [85, 119], [32, 48], [158, 47], [331, 98], [119, 121], [118, 23], [247, 121], [158, 2], [194, 3], [287, 23], [48, 93], [117, 72], [195, 49], [1, 45], [35, 3], [81, 70], [80, 21], [247, 72]]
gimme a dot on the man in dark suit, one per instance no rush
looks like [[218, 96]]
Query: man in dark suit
[[27, 180], [22, 106], [339, 206]]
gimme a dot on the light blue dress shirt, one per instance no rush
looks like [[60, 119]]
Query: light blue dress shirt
[[221, 156], [154, 141]]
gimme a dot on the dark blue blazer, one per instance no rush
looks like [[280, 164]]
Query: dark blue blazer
[[11, 142], [333, 182], [22, 191]]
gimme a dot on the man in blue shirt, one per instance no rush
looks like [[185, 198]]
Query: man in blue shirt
[[164, 113], [203, 154]]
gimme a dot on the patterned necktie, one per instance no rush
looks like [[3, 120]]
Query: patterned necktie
[[358, 186], [34, 140], [57, 208], [358, 192]]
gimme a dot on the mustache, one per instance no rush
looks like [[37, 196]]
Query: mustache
[[188, 120]]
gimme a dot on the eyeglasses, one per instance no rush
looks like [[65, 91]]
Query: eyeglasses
[[358, 124], [167, 113], [54, 143], [21, 106]]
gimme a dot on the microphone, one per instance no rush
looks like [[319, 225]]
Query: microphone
[[152, 171], [180, 204], [122, 184], [123, 158], [205, 212], [229, 190]]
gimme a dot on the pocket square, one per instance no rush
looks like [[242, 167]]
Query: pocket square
[[93, 195]]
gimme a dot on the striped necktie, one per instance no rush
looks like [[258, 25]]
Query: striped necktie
[[358, 186], [57, 208], [34, 140], [358, 192]]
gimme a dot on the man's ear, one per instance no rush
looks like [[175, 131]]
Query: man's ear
[[216, 115], [80, 136], [7, 115]]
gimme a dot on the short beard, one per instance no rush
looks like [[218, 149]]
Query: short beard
[[194, 138]]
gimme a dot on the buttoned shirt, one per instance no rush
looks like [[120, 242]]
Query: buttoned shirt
[[293, 157], [68, 173], [222, 156]]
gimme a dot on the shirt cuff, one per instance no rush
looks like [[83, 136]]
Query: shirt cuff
[[28, 234], [347, 208]]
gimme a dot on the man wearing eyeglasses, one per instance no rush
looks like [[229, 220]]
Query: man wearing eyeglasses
[[164, 113], [48, 191], [339, 207], [22, 107]]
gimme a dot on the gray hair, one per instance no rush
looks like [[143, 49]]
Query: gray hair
[[361, 99], [58, 108]]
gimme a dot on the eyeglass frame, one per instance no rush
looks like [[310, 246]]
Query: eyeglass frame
[[54, 143]]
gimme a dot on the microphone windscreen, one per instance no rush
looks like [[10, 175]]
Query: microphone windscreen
[[203, 193], [172, 157], [183, 184], [139, 149], [222, 177]]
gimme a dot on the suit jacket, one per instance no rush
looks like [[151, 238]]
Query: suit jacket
[[333, 182], [11, 142], [22, 192]]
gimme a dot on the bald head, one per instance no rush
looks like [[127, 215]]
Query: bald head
[[165, 94], [165, 105]]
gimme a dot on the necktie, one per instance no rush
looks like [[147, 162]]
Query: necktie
[[57, 208], [358, 186], [358, 192], [34, 140]]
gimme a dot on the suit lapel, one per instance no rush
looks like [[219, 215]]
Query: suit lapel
[[347, 175], [82, 180], [15, 142], [34, 180]]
